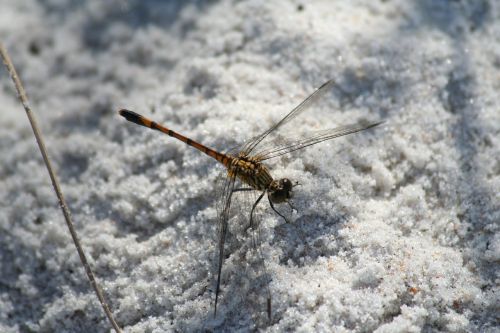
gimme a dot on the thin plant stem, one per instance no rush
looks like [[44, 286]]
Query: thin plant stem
[[55, 183]]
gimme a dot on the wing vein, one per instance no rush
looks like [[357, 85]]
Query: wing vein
[[223, 225], [304, 105], [314, 139]]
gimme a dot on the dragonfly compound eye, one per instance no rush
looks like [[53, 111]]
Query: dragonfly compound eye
[[286, 184], [281, 190]]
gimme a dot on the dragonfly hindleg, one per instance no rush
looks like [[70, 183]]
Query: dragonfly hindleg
[[253, 208]]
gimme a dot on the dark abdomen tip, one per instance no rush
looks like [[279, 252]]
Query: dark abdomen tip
[[129, 115], [132, 117]]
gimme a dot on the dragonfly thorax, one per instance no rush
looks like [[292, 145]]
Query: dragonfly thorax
[[251, 172]]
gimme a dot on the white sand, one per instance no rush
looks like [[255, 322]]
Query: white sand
[[396, 229]]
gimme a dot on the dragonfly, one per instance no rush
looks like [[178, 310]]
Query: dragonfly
[[246, 165]]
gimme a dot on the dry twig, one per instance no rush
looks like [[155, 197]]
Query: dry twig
[[55, 183]]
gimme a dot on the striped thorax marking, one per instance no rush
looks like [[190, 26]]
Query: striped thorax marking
[[250, 171]]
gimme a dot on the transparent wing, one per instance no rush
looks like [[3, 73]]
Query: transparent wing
[[223, 208], [240, 204], [299, 109], [257, 240], [248, 199], [291, 145]]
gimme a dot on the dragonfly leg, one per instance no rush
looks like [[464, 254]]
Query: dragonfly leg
[[253, 208], [291, 206], [272, 206]]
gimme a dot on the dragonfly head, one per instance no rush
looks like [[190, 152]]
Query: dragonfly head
[[280, 190]]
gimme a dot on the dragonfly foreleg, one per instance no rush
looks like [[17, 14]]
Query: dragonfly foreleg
[[272, 206]]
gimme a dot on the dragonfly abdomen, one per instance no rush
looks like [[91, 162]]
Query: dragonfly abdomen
[[143, 121]]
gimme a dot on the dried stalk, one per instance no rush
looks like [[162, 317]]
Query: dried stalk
[[55, 183]]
